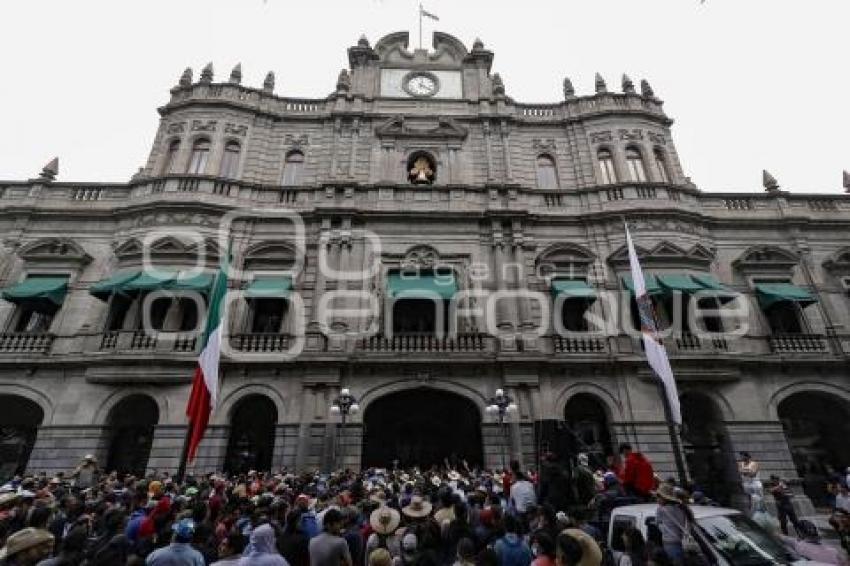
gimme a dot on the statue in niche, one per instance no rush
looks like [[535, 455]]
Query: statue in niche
[[421, 173]]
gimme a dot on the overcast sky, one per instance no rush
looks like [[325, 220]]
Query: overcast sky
[[752, 84]]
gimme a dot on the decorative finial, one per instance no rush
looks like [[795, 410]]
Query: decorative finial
[[50, 170], [600, 84], [498, 85], [186, 77], [646, 90], [847, 181], [236, 74], [477, 45], [343, 82], [207, 74], [628, 85], [363, 41], [769, 182], [569, 91], [268, 84]]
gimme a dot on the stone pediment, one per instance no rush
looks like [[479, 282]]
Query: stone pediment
[[168, 247], [54, 251], [666, 253], [448, 50], [766, 258], [402, 127], [839, 262]]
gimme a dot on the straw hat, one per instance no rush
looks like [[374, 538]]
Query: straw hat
[[384, 520], [418, 508], [379, 496], [667, 492], [590, 551], [436, 481], [454, 475], [24, 539]]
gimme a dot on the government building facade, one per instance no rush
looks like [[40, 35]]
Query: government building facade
[[421, 240]]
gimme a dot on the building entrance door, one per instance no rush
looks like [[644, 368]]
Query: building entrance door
[[421, 427]]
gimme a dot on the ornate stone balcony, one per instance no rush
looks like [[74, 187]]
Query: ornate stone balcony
[[562, 345], [427, 343], [26, 342], [262, 342], [135, 341], [798, 343]]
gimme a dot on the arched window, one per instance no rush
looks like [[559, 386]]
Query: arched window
[[230, 160], [547, 175], [170, 157], [634, 164], [606, 167], [661, 165], [293, 168], [200, 156]]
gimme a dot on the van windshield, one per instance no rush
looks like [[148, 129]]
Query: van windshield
[[742, 542]]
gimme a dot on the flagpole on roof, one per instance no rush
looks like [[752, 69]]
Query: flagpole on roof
[[420, 25]]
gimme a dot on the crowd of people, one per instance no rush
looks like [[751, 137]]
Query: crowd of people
[[446, 515]]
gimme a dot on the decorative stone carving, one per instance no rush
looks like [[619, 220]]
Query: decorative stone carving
[[769, 182], [847, 181], [50, 171], [498, 85], [236, 129], [186, 77], [646, 90], [627, 135], [204, 126], [420, 257], [399, 127], [343, 82], [655, 138], [601, 137], [268, 84], [664, 252], [600, 84], [422, 172], [207, 74], [363, 41], [545, 144], [175, 128], [236, 74], [766, 258], [54, 250], [477, 45], [569, 91], [298, 141], [628, 85]]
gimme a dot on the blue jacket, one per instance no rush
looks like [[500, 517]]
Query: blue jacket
[[512, 551]]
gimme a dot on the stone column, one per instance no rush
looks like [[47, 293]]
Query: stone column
[[488, 150], [337, 129], [167, 446], [60, 448], [212, 451], [504, 130], [355, 137], [308, 402]]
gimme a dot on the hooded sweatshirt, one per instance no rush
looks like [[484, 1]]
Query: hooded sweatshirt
[[512, 551], [263, 549]]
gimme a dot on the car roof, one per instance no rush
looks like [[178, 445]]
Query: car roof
[[699, 511]]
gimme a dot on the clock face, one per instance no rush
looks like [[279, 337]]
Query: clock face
[[421, 84]]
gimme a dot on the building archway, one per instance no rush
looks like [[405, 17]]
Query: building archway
[[252, 428], [587, 429], [131, 423], [817, 425], [706, 445], [19, 422], [421, 427]]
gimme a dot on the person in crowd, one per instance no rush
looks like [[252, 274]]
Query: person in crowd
[[293, 543], [465, 552], [378, 557], [842, 497], [568, 551], [230, 550], [555, 485], [585, 483], [543, 548], [511, 548], [809, 545], [180, 551], [26, 547], [522, 491], [749, 470], [263, 549], [634, 549], [783, 496], [72, 548], [87, 472], [674, 520], [328, 548], [638, 476]]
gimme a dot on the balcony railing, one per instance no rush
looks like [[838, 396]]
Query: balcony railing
[[26, 342], [687, 342], [142, 341], [261, 342], [425, 343], [785, 343], [570, 345]]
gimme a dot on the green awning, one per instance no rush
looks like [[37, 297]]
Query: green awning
[[151, 281], [419, 286], [269, 287], [201, 282], [679, 282], [37, 288], [771, 293], [650, 281], [711, 284], [115, 284], [573, 289]]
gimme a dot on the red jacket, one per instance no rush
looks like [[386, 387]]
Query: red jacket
[[638, 475]]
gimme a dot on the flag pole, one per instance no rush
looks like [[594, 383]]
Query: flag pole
[[675, 441], [184, 454], [420, 25]]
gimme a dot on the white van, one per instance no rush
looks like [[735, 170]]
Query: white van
[[727, 536]]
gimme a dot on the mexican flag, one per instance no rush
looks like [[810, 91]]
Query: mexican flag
[[205, 384]]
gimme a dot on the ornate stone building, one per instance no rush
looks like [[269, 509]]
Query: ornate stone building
[[419, 163]]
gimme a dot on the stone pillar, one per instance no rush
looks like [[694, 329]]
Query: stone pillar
[[504, 130], [488, 150], [337, 129], [619, 155], [286, 439], [61, 448], [302, 453], [355, 137], [167, 446]]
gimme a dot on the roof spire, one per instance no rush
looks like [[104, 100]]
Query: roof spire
[[769, 182], [847, 181], [569, 91], [207, 74], [49, 172], [268, 84], [628, 85], [646, 90], [236, 74], [600, 84], [498, 85], [343, 81], [186, 77]]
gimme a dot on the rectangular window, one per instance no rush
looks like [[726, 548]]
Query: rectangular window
[[572, 315], [268, 315], [118, 310], [606, 170], [32, 320], [418, 316], [784, 318]]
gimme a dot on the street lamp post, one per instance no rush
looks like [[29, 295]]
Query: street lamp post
[[501, 405], [345, 404]]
